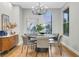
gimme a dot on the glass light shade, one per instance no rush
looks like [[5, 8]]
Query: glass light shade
[[39, 9]]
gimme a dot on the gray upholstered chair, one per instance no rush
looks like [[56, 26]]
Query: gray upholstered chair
[[25, 40], [42, 42], [56, 43], [56, 37]]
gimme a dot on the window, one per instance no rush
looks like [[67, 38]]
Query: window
[[47, 17], [66, 22], [45, 20]]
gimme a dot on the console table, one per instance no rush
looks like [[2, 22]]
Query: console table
[[8, 42]]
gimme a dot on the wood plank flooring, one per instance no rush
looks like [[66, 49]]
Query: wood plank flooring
[[17, 52]]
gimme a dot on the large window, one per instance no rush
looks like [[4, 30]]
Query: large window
[[66, 22], [47, 17], [45, 20]]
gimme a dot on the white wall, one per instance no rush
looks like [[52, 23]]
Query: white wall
[[73, 40], [0, 23], [15, 15], [5, 8], [27, 16], [21, 21], [17, 18], [56, 20]]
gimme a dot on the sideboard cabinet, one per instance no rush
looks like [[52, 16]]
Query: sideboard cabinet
[[8, 42]]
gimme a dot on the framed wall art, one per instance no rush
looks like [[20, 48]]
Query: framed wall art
[[4, 21]]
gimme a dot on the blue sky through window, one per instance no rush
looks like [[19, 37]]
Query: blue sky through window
[[47, 17], [48, 21]]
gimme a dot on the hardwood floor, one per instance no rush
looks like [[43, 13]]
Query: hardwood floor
[[17, 52]]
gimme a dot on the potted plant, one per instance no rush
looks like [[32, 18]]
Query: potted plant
[[39, 28]]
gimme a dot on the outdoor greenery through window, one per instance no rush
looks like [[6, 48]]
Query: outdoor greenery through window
[[66, 22]]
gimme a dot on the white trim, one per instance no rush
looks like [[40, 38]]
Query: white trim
[[65, 37], [76, 52]]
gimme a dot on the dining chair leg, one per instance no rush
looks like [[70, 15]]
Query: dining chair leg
[[31, 46], [27, 50], [34, 46], [60, 48], [22, 48], [50, 50]]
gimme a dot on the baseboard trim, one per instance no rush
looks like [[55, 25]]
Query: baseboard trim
[[74, 52]]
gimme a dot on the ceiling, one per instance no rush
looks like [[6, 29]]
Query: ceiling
[[31, 4]]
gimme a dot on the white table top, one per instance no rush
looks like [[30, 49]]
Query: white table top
[[45, 35]]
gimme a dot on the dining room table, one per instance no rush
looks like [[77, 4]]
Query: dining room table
[[49, 36], [32, 38]]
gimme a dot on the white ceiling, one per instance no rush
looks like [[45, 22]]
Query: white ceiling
[[31, 4]]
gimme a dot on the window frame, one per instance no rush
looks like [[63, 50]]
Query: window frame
[[66, 22]]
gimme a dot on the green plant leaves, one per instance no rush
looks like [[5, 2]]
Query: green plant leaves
[[39, 27]]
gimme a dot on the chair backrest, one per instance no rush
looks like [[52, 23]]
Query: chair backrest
[[56, 37], [25, 39], [59, 39], [42, 42]]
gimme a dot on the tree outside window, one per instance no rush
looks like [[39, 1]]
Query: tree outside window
[[66, 22]]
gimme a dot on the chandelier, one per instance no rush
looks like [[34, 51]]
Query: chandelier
[[39, 9]]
